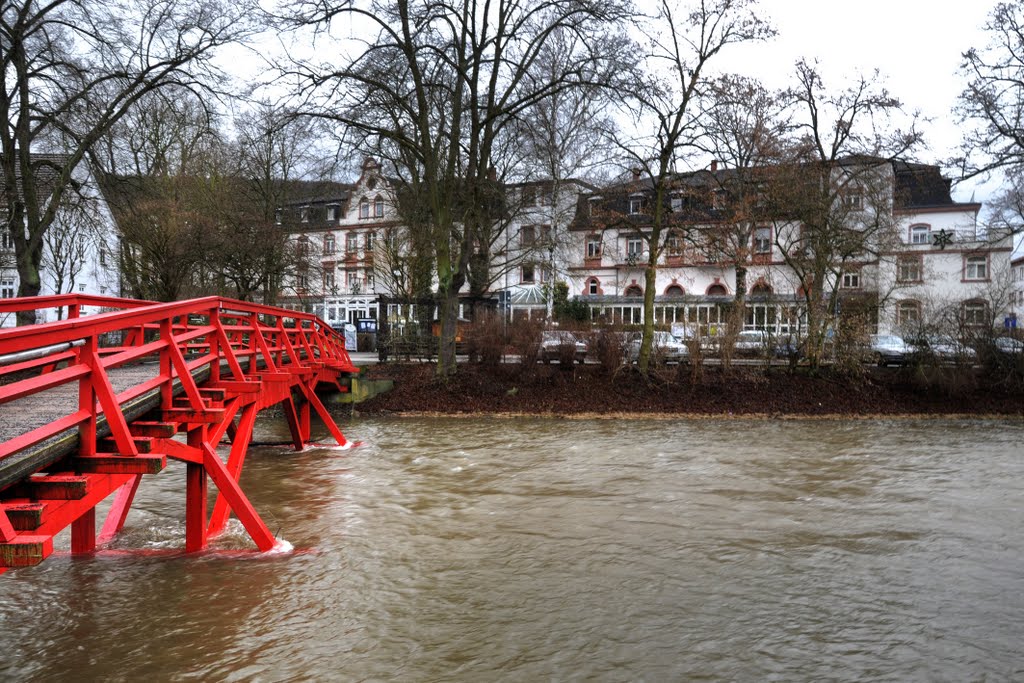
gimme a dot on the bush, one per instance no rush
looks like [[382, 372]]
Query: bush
[[524, 338]]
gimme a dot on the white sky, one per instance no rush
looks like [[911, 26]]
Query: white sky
[[915, 44]]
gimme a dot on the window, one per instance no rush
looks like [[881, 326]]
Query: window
[[593, 286], [364, 208], [328, 280], [527, 236], [526, 275], [674, 245], [636, 205], [634, 247], [544, 197], [369, 279], [378, 207], [674, 290], [7, 288], [908, 269], [717, 290], [853, 199], [371, 237], [676, 202], [6, 243], [303, 246], [634, 290], [908, 312], [976, 314], [851, 280], [301, 281], [332, 212], [351, 243], [976, 268], [304, 214], [762, 240], [102, 256], [920, 234], [328, 244], [594, 247]]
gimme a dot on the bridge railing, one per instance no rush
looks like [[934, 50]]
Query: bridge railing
[[183, 351]]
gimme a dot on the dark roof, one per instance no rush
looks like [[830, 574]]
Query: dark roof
[[47, 168]]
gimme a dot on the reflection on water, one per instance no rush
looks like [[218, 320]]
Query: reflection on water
[[483, 549]]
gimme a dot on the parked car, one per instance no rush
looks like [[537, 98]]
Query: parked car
[[889, 349], [942, 348], [752, 343], [1009, 345], [559, 344], [666, 348], [788, 346]]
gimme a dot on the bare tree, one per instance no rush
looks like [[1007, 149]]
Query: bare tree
[[665, 101], [994, 102], [438, 85], [832, 195], [744, 127], [71, 69]]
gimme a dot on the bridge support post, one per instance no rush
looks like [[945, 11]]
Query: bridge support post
[[83, 533], [195, 497]]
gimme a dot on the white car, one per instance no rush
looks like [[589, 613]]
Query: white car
[[666, 349], [752, 343], [555, 343]]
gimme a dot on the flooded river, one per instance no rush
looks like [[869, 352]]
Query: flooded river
[[538, 549]]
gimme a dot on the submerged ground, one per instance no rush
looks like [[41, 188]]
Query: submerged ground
[[747, 390]]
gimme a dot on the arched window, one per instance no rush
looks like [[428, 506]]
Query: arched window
[[364, 208], [674, 290], [717, 290], [761, 288], [634, 290], [593, 286], [920, 234], [378, 207]]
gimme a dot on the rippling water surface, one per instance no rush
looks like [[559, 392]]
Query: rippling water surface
[[537, 549]]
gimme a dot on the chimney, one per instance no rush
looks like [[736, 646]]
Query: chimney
[[636, 172], [714, 165], [492, 174]]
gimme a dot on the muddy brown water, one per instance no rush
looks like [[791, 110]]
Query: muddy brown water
[[485, 549]]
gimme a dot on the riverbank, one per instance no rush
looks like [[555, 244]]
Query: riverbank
[[590, 391]]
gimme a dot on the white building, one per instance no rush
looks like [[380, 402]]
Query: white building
[[79, 249]]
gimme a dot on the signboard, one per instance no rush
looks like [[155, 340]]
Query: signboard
[[1010, 322], [350, 337], [366, 325]]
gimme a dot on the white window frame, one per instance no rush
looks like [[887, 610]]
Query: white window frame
[[975, 268], [636, 206], [378, 207], [634, 247], [762, 244], [594, 247], [364, 208], [903, 269], [920, 234], [850, 279]]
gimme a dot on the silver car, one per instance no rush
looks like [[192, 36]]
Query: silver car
[[553, 343], [666, 348]]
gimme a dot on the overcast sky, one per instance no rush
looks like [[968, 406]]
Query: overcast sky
[[916, 45]]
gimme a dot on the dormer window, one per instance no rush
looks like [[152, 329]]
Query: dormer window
[[332, 212], [676, 202], [636, 205], [763, 241], [304, 214]]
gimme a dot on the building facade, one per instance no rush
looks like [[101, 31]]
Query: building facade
[[79, 249]]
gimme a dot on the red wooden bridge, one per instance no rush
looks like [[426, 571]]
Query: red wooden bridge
[[89, 404]]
